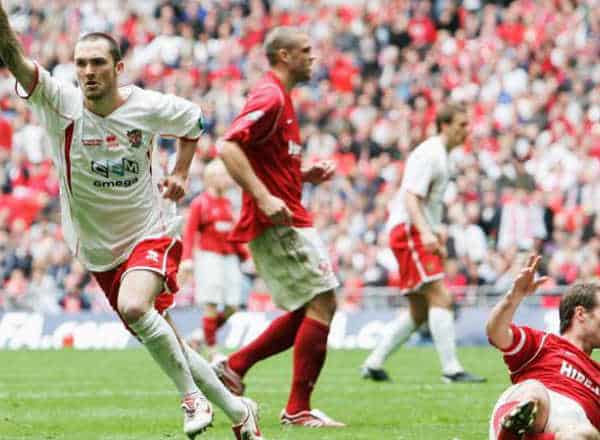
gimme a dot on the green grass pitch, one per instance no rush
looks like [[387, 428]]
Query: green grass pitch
[[119, 395]]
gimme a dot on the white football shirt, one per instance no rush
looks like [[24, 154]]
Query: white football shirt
[[109, 193], [426, 174]]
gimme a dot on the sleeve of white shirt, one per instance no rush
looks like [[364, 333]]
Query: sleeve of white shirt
[[175, 116], [418, 174], [54, 103]]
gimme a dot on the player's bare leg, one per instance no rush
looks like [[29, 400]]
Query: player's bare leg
[[441, 326], [310, 350], [242, 412], [395, 335], [137, 293]]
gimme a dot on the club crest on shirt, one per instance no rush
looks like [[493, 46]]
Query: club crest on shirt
[[135, 137]]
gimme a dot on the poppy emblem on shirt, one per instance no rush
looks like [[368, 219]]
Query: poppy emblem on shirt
[[135, 137], [112, 141]]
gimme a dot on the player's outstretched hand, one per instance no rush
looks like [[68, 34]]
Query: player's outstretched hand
[[525, 284], [319, 172], [173, 187], [276, 209]]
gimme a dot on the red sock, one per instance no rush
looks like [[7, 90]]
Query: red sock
[[310, 349], [221, 319], [279, 336], [540, 436], [209, 324]]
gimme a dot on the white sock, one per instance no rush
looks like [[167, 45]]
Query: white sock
[[441, 326], [211, 386], [160, 340], [395, 334]]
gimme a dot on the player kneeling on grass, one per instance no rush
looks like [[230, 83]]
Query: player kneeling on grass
[[214, 260], [556, 385]]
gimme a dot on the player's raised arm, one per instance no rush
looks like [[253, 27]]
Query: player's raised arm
[[12, 55], [498, 326]]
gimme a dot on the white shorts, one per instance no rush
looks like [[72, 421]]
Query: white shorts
[[294, 264], [563, 410], [218, 278]]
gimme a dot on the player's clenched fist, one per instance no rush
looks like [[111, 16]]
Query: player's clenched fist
[[276, 209], [319, 172], [173, 187]]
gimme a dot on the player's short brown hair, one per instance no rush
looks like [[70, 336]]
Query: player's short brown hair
[[582, 294], [281, 37], [446, 114], [114, 48]]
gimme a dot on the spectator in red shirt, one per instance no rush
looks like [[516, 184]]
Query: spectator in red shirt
[[421, 27]]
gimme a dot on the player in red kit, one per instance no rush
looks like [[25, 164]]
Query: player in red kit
[[262, 152], [556, 385], [215, 260]]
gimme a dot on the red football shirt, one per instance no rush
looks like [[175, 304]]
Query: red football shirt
[[268, 132], [558, 364], [210, 220]]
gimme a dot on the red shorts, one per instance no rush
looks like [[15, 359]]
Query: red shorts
[[160, 255], [416, 265]]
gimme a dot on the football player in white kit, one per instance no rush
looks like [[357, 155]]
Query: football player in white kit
[[414, 225], [118, 217]]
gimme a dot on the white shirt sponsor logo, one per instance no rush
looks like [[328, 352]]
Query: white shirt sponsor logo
[[571, 372]]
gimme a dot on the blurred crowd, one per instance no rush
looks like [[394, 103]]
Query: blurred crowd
[[527, 179]]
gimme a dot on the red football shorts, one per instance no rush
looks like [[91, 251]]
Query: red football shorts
[[160, 255], [416, 265]]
